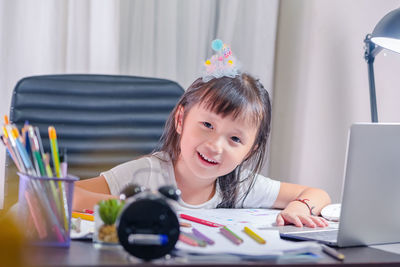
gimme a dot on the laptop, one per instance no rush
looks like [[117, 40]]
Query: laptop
[[370, 206]]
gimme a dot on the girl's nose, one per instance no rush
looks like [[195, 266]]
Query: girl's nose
[[216, 144]]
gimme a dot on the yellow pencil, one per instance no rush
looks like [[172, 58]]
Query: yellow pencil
[[56, 162], [253, 235], [83, 216]]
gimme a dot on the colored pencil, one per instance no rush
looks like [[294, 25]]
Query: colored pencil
[[41, 198], [201, 221], [185, 224], [186, 239], [54, 150], [202, 236], [13, 145], [199, 241], [19, 148], [11, 152], [36, 215], [56, 162], [46, 160], [83, 216], [332, 252], [35, 150], [230, 235], [253, 235], [43, 167]]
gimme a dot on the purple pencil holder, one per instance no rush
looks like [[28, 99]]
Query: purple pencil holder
[[44, 209]]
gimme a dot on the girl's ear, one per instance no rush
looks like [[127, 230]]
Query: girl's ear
[[179, 119]]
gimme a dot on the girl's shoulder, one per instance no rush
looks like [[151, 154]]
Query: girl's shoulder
[[150, 171]]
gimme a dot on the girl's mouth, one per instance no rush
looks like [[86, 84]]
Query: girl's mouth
[[206, 160]]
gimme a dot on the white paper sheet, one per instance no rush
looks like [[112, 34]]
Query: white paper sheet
[[258, 218], [236, 220]]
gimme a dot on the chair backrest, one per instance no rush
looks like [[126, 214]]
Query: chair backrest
[[102, 120]]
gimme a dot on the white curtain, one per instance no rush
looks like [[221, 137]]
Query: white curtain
[[321, 87], [158, 38]]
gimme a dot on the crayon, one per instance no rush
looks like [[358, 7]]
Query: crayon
[[186, 239], [230, 235], [202, 236], [253, 235]]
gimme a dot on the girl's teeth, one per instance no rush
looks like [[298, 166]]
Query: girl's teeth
[[209, 160]]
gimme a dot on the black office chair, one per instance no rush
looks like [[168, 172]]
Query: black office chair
[[102, 120]]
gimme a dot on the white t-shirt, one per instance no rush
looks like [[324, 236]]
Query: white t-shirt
[[157, 170]]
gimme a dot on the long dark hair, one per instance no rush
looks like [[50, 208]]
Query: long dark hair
[[242, 97]]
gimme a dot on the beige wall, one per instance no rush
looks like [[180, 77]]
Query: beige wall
[[321, 87]]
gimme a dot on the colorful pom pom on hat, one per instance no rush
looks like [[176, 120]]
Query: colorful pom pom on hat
[[223, 63]]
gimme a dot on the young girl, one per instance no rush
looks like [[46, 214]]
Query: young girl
[[212, 149]]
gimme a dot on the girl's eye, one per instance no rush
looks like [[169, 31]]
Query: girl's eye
[[207, 125], [236, 139]]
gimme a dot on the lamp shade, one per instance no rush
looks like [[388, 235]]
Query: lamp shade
[[387, 32]]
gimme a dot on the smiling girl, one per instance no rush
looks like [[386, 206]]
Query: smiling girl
[[212, 149]]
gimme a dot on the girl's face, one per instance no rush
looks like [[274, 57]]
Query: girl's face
[[211, 146]]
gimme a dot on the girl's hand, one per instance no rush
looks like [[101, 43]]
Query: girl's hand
[[298, 214]]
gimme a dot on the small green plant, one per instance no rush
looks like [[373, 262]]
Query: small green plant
[[109, 210]]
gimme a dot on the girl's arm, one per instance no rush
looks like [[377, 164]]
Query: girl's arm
[[296, 212], [87, 193]]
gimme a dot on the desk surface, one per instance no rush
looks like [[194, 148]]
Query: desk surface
[[84, 253]]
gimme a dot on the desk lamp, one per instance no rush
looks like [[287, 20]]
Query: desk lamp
[[385, 35]]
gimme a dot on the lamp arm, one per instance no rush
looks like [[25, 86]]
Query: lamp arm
[[371, 50]]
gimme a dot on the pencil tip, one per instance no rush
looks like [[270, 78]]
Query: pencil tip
[[6, 121]]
